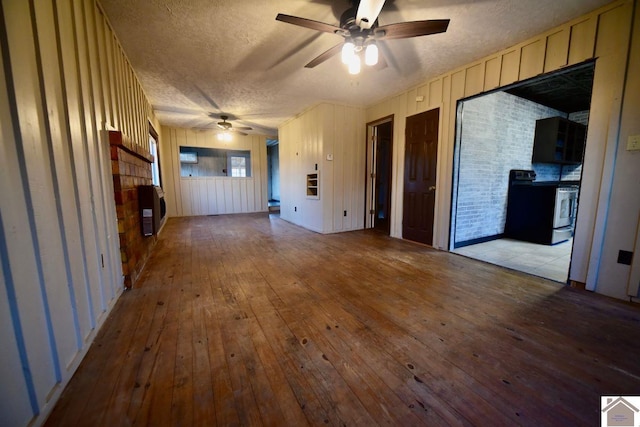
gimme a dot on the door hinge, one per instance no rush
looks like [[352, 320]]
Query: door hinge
[[373, 175], [371, 211]]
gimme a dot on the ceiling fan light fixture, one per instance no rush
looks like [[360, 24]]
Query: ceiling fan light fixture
[[354, 65], [371, 54], [224, 136], [348, 51]]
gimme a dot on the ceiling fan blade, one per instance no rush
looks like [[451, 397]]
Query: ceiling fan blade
[[241, 133], [405, 30], [243, 128], [324, 56], [368, 12], [308, 23]]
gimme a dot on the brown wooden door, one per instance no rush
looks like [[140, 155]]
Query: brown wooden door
[[420, 176]]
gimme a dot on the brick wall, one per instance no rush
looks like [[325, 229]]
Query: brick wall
[[496, 135], [131, 167]]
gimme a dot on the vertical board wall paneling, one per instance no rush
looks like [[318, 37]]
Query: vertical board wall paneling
[[557, 50], [74, 125], [492, 69], [34, 299], [611, 48], [20, 281], [306, 140], [583, 40], [94, 156], [532, 59], [65, 313], [58, 82], [187, 196], [85, 149]]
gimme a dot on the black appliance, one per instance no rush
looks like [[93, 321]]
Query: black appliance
[[539, 212]]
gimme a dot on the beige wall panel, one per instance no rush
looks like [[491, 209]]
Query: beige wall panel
[[557, 51], [75, 123], [187, 196], [41, 303], [455, 92], [397, 167], [423, 91], [412, 102], [250, 195], [203, 197], [111, 254], [219, 196], [532, 59], [103, 53], [582, 42], [474, 80], [212, 208], [22, 253], [65, 315], [14, 395], [510, 67], [96, 231], [610, 226], [435, 93], [492, 70]]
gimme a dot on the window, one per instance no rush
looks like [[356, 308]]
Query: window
[[207, 162], [153, 149], [238, 166]]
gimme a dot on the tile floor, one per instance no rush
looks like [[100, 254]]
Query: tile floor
[[551, 262]]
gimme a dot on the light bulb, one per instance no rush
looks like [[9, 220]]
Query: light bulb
[[354, 65], [347, 51], [371, 54]]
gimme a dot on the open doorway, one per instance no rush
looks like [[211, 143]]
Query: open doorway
[[379, 161], [273, 175], [517, 172]]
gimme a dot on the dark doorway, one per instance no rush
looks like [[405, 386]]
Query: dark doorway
[[420, 176], [382, 176], [273, 175]]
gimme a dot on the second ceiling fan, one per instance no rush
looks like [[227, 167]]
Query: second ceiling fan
[[361, 32]]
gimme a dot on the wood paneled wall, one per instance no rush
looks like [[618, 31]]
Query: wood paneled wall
[[603, 36], [306, 144], [64, 80], [187, 196]]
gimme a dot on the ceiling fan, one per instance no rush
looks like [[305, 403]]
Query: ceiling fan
[[361, 32], [228, 127]]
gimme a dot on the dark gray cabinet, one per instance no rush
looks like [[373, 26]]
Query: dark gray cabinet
[[558, 140]]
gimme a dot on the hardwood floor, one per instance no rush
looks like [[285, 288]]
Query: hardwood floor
[[246, 320]]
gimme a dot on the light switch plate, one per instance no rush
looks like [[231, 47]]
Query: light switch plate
[[329, 157], [633, 143]]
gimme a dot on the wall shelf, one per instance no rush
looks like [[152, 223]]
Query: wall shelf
[[313, 185]]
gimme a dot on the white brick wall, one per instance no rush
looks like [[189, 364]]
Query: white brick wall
[[496, 136]]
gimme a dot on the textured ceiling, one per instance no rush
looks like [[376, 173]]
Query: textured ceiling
[[197, 59]]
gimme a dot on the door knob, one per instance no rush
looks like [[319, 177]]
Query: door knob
[[432, 188]]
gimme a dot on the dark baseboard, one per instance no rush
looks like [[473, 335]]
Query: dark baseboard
[[478, 240]]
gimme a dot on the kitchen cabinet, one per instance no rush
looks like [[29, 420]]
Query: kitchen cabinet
[[558, 140]]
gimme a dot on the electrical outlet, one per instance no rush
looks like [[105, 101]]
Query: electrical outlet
[[295, 209], [633, 143], [345, 213]]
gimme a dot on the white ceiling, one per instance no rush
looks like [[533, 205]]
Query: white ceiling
[[197, 59]]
